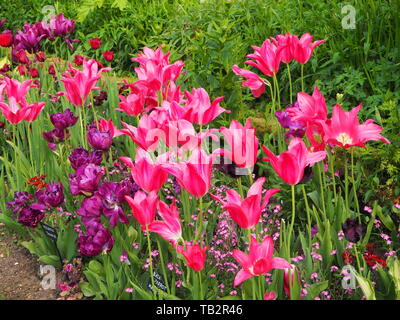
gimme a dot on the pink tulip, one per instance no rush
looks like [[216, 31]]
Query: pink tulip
[[199, 109], [310, 108], [271, 295], [170, 228], [146, 135], [253, 81], [303, 48], [18, 108], [288, 278], [195, 256], [246, 213], [78, 84], [345, 130], [290, 165], [148, 174], [155, 70], [138, 101], [15, 89], [243, 143], [107, 125], [143, 207], [259, 261], [286, 41], [267, 57], [182, 132], [16, 112], [194, 175]]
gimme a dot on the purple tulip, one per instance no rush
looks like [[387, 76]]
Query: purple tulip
[[99, 140], [352, 230], [56, 135], [86, 179], [97, 239], [314, 230], [80, 157], [296, 128], [32, 215], [52, 196], [64, 119], [59, 27], [110, 195], [29, 39], [21, 199], [91, 209]]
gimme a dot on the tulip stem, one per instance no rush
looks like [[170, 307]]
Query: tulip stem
[[307, 210], [163, 266], [354, 187], [200, 219], [346, 187], [290, 83], [302, 77], [150, 260], [332, 163], [321, 172], [239, 180], [293, 218]]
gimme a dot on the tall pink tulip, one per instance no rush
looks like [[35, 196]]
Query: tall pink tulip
[[290, 165], [243, 143], [194, 174], [108, 125], [303, 48], [253, 81], [246, 213], [148, 174], [143, 207], [16, 112], [170, 227], [195, 256], [15, 89], [78, 84], [267, 57], [259, 261], [146, 135], [199, 109], [310, 108], [17, 108], [345, 130]]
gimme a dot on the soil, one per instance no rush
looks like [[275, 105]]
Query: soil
[[19, 272]]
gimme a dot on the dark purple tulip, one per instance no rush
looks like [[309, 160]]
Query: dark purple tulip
[[126, 187], [86, 179], [52, 196], [110, 195], [97, 239], [228, 167], [59, 27], [32, 215], [56, 135], [91, 209], [80, 157], [352, 230], [99, 140], [64, 119], [307, 175], [20, 200], [29, 39]]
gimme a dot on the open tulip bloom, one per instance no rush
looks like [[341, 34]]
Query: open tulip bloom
[[259, 261], [246, 212], [290, 165]]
